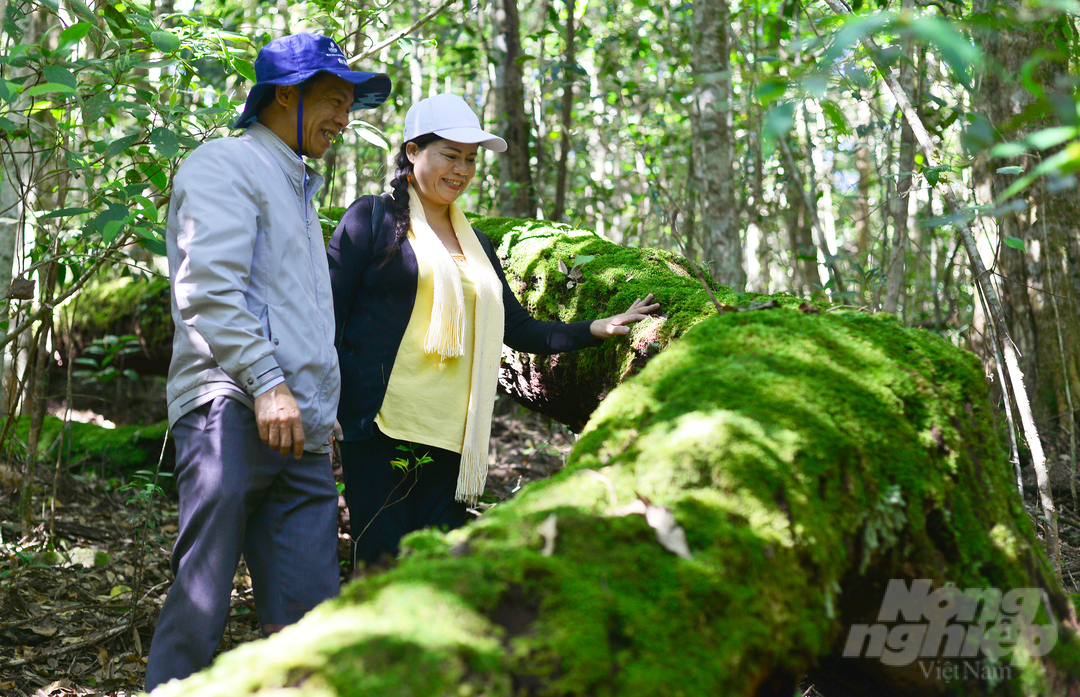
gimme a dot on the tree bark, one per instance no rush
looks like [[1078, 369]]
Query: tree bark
[[517, 194], [567, 121], [729, 519], [896, 270], [714, 143]]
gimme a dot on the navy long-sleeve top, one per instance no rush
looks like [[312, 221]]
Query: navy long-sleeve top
[[373, 300]]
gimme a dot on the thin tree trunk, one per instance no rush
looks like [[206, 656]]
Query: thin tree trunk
[[804, 273], [714, 143], [896, 270], [862, 201], [567, 114], [831, 262], [517, 194]]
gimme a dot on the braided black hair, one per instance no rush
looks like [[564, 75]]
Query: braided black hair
[[399, 189]]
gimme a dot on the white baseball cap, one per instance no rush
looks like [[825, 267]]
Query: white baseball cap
[[449, 117]]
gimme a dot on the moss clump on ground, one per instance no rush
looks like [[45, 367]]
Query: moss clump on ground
[[110, 450], [808, 457]]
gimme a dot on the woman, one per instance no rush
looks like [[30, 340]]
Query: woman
[[422, 309]]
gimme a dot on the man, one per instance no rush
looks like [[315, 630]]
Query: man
[[253, 384]]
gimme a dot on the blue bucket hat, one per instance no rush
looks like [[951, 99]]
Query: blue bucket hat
[[293, 59]]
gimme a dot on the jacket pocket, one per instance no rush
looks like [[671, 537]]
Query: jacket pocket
[[264, 322]]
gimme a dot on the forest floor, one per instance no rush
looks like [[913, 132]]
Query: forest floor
[[68, 623]]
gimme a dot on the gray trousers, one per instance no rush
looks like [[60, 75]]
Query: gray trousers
[[239, 496]]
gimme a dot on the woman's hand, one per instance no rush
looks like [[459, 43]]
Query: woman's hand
[[617, 324]]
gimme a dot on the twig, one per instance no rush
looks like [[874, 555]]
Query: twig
[[693, 265], [403, 33]]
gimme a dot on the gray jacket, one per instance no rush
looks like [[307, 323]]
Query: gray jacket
[[251, 296]]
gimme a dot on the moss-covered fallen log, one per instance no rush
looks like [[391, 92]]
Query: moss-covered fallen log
[[809, 460], [560, 273]]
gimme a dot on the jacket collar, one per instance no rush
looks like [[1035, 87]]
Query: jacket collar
[[301, 176]]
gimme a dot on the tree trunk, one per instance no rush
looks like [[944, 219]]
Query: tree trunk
[[802, 251], [736, 515], [1040, 287], [566, 124], [714, 143], [517, 195], [896, 270]]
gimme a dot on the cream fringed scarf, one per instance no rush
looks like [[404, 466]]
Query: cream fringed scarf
[[446, 332]]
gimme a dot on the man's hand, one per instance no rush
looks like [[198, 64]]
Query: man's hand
[[278, 417], [616, 324]]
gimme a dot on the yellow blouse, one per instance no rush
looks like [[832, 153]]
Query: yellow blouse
[[427, 399]]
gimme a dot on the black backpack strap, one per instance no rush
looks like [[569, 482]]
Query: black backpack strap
[[378, 212]]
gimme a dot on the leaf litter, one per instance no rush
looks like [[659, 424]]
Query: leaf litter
[[78, 604]]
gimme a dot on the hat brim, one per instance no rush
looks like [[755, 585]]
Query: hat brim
[[370, 90], [473, 135]]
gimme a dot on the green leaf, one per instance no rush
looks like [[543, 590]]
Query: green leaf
[[778, 122], [165, 40], [48, 88], [61, 76], [156, 174], [111, 230], [1051, 137], [96, 107], [1007, 150], [73, 35], [372, 137], [1014, 242], [770, 90], [150, 240], [65, 213], [148, 209], [120, 145], [582, 259], [9, 91], [836, 116], [244, 68], [165, 142], [854, 30], [1013, 169], [816, 85]]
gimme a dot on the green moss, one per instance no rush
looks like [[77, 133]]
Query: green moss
[[120, 449], [806, 456], [140, 305]]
